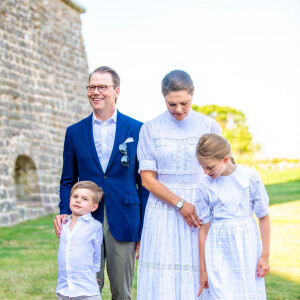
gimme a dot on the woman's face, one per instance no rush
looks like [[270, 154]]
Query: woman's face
[[179, 104]]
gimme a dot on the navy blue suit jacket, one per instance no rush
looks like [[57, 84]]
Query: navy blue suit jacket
[[125, 198]]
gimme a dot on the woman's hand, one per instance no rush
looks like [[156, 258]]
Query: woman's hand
[[137, 250], [189, 214], [263, 267], [203, 282]]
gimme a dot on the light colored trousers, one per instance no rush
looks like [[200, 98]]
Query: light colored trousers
[[61, 297], [120, 259]]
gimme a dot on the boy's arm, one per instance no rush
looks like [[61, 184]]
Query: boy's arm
[[97, 249], [203, 275], [263, 266]]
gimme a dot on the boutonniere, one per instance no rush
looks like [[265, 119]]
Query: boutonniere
[[129, 140], [123, 150]]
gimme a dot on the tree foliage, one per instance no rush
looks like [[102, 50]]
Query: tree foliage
[[234, 128]]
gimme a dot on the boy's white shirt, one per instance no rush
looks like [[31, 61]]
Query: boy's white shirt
[[79, 257]]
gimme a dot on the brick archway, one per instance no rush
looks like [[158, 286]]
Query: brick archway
[[27, 193]]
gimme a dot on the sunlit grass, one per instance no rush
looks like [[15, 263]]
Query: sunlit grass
[[28, 250]]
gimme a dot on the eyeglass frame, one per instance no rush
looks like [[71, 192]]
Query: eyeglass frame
[[125, 157], [98, 87]]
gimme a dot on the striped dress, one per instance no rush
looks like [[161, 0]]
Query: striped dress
[[232, 247]]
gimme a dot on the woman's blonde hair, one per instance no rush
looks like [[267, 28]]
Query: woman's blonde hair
[[213, 146]]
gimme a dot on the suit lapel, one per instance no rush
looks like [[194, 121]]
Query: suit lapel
[[87, 133], [120, 137]]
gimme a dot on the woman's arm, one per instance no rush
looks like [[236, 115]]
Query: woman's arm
[[263, 266], [203, 274], [160, 191]]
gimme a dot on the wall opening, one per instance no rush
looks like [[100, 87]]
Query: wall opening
[[27, 193]]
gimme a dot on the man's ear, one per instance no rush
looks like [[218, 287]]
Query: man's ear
[[95, 206], [226, 159]]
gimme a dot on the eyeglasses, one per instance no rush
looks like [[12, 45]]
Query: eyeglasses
[[100, 88], [125, 157]]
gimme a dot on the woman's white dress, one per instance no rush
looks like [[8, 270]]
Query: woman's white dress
[[232, 247], [168, 267]]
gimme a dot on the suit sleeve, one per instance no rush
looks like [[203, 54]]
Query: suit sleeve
[[143, 195], [69, 175]]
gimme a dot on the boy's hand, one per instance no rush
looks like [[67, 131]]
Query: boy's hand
[[57, 223], [137, 250], [263, 267], [203, 283]]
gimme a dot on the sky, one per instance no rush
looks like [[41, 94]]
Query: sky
[[243, 54]]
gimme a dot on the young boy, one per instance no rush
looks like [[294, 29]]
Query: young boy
[[80, 245]]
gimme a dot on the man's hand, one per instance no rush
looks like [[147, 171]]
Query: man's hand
[[57, 223], [189, 214], [137, 250]]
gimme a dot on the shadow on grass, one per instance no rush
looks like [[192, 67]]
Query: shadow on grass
[[280, 288], [284, 192]]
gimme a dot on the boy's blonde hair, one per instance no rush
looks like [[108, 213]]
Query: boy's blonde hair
[[98, 192], [213, 146]]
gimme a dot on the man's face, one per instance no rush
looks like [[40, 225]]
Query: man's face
[[103, 103], [81, 202]]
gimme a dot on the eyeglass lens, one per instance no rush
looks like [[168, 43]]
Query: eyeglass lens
[[100, 88], [125, 157]]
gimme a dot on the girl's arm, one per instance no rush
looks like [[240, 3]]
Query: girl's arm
[[160, 191], [203, 274], [263, 266]]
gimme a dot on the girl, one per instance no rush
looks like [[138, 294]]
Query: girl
[[232, 264]]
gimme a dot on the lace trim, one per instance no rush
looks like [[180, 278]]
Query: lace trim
[[178, 185], [159, 206], [167, 267], [169, 141]]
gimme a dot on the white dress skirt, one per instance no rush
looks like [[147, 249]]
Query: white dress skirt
[[233, 247], [168, 267]]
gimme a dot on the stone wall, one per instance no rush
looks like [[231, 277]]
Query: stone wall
[[43, 74]]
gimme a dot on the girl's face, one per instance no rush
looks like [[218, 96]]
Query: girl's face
[[214, 167]]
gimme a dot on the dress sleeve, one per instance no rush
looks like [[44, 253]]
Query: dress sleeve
[[259, 198], [146, 151], [215, 128], [97, 241], [202, 205]]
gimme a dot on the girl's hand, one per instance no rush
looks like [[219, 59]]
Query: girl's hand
[[203, 283], [263, 267], [189, 214]]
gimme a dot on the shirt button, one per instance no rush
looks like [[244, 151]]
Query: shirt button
[[105, 177]]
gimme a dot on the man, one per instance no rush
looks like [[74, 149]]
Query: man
[[102, 149]]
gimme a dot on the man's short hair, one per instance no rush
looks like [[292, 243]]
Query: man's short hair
[[115, 77], [98, 192]]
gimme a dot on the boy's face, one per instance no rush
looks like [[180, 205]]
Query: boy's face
[[81, 202]]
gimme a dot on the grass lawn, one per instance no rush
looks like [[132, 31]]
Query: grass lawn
[[28, 250]]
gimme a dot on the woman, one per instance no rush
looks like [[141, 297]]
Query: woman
[[169, 263]]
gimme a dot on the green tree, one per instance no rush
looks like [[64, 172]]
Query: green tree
[[234, 128]]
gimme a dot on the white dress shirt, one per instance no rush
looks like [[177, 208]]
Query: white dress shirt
[[104, 136], [79, 257]]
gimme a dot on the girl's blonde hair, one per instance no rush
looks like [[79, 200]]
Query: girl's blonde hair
[[213, 146]]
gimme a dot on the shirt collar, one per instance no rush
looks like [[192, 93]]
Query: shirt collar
[[86, 217], [112, 118]]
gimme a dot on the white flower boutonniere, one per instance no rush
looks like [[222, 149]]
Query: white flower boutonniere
[[129, 140]]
